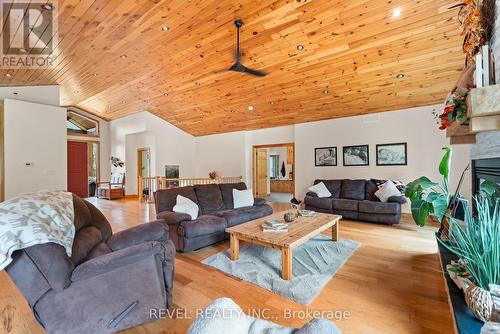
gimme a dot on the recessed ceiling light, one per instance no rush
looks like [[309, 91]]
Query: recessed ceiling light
[[197, 83], [271, 102], [47, 6], [95, 74], [400, 76], [8, 75], [300, 47], [123, 56], [396, 12], [325, 92], [164, 28], [250, 108], [165, 94]]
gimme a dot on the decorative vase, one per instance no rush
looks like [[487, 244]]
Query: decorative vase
[[479, 301], [289, 217]]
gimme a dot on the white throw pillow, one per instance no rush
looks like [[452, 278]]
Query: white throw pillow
[[321, 190], [387, 190], [242, 198], [185, 205]]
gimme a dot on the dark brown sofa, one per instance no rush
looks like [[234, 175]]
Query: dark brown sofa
[[355, 199], [215, 215], [105, 274]]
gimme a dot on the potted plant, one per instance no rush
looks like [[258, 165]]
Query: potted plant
[[430, 198], [476, 242], [213, 175]]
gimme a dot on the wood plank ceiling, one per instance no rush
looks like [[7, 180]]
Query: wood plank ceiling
[[353, 49]]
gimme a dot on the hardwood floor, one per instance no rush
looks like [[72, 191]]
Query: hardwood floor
[[392, 284]]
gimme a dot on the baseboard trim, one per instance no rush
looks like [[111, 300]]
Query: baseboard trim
[[132, 196], [431, 221]]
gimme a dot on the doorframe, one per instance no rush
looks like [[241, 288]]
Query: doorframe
[[254, 163], [98, 178], [139, 166], [2, 154]]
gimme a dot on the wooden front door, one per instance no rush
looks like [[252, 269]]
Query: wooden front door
[[78, 182], [261, 173]]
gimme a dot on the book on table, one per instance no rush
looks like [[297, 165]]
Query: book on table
[[274, 226]]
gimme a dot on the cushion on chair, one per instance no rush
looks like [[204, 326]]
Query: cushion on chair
[[345, 204], [85, 240], [379, 207], [353, 189], [202, 226], [227, 192], [209, 198], [245, 214], [333, 186]]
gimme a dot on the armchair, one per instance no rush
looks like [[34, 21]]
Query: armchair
[[110, 282], [113, 189]]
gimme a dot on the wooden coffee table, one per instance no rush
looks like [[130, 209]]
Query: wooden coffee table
[[299, 231]]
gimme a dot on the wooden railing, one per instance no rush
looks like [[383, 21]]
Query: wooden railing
[[151, 184]]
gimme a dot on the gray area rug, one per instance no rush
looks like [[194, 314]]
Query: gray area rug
[[314, 264]]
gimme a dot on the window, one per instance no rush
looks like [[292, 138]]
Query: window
[[78, 124], [274, 161]]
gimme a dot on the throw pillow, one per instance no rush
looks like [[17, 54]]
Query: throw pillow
[[387, 190], [320, 189], [400, 185], [187, 206], [242, 198]]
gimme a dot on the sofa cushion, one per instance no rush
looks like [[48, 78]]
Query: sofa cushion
[[226, 190], [353, 189], [333, 186], [379, 207], [345, 204], [204, 225], [347, 214], [85, 240], [370, 189], [166, 199], [397, 199], [209, 198], [243, 215], [322, 203], [380, 218]]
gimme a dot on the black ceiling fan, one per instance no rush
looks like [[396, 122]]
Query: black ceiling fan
[[238, 66]]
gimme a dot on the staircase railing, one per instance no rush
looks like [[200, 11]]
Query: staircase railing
[[153, 183]]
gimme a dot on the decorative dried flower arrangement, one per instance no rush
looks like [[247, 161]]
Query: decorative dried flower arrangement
[[476, 18], [213, 175]]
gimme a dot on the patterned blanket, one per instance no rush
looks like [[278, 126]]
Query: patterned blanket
[[36, 218]]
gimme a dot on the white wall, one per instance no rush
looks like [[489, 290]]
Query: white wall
[[104, 144], [36, 134], [415, 126], [169, 146], [37, 94]]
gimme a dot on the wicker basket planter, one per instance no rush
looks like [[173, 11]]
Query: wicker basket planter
[[479, 301]]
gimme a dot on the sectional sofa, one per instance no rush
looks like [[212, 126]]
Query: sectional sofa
[[216, 213], [355, 199]]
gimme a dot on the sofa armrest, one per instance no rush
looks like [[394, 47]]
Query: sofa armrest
[[154, 231], [108, 262], [173, 218], [311, 194], [397, 199], [259, 202]]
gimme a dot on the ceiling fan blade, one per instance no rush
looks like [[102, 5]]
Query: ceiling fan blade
[[256, 73]]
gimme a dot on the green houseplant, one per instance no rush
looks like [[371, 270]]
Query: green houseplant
[[430, 198], [476, 241]]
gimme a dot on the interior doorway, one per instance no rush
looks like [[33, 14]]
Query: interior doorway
[[273, 172], [83, 167], [143, 170]]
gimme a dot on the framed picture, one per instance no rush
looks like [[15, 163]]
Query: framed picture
[[357, 155], [392, 154], [325, 156]]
